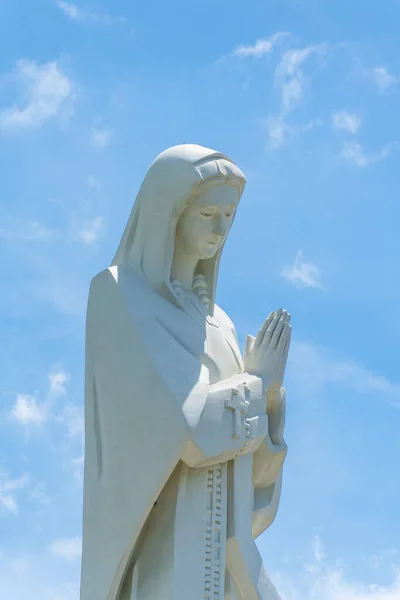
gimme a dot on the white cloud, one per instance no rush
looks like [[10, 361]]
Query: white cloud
[[75, 13], [354, 152], [293, 59], [100, 138], [57, 383], [261, 47], [28, 410], [278, 131], [384, 557], [38, 493], [39, 232], [90, 232], [93, 183], [71, 10], [31, 577], [302, 274], [290, 77], [72, 417], [19, 566], [318, 549], [321, 580], [346, 121], [384, 79], [46, 91], [32, 232], [67, 548], [291, 81], [313, 367], [77, 465], [8, 489], [292, 91]]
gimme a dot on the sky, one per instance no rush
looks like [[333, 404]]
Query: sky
[[304, 96]]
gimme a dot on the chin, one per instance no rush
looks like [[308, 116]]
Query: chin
[[209, 252]]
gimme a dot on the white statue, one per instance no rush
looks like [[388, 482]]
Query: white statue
[[184, 446]]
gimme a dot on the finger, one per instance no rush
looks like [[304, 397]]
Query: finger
[[279, 328], [284, 329], [249, 344], [265, 325], [270, 329], [285, 334], [286, 351]]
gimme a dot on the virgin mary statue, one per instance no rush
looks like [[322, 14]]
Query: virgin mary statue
[[184, 446]]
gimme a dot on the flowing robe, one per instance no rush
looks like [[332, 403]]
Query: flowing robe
[[182, 465]]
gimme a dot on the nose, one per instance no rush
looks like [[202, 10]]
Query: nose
[[221, 226]]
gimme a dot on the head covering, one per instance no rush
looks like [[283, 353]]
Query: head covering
[[172, 180]]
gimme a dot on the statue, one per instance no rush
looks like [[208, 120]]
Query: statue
[[184, 448]]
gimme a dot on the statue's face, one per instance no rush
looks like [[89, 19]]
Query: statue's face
[[205, 223]]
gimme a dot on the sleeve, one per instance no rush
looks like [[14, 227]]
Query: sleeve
[[226, 428], [267, 468], [135, 430]]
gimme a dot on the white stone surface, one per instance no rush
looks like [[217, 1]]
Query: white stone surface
[[184, 436]]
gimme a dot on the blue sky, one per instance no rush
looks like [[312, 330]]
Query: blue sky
[[304, 96]]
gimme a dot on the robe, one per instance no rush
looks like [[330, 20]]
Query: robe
[[183, 466]]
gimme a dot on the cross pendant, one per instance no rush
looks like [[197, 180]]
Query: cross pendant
[[240, 409]]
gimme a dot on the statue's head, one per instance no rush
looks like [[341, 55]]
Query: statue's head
[[187, 203]]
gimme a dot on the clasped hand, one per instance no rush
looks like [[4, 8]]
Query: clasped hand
[[266, 355]]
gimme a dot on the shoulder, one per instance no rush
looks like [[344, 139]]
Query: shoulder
[[106, 278], [118, 279], [119, 289], [222, 318]]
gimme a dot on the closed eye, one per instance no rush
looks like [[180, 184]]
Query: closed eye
[[205, 214]]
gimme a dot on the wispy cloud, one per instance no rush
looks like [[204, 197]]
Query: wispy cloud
[[37, 576], [76, 465], [324, 579], [31, 232], [290, 77], [93, 183], [292, 81], [72, 417], [314, 367], [355, 153], [90, 231], [278, 131], [302, 274], [384, 79], [101, 137], [86, 232], [9, 489], [318, 549], [46, 93], [384, 557], [80, 15], [67, 548], [57, 383], [29, 410], [262, 46], [346, 121]]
